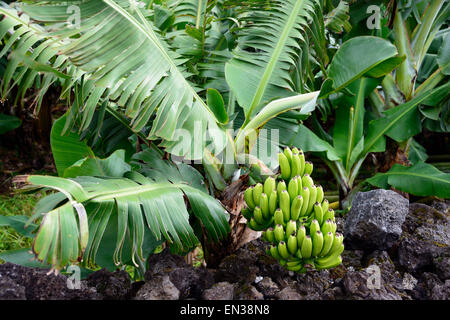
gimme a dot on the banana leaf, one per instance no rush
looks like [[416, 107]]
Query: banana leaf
[[422, 179]]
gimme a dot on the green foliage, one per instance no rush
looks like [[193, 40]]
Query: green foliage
[[8, 123], [421, 179], [108, 204], [13, 235]]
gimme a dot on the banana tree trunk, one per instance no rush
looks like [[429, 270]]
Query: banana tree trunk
[[233, 199]]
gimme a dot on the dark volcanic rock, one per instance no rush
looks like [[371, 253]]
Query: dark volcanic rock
[[158, 288], [247, 292], [40, 286], [431, 287], [219, 291], [375, 220], [10, 290], [352, 258], [268, 288], [312, 284], [112, 285], [359, 286], [191, 281], [288, 293], [424, 245], [163, 262]]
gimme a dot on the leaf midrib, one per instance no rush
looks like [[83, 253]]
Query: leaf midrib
[[417, 175], [386, 128], [139, 189], [274, 58]]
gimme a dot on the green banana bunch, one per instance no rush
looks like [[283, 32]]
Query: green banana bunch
[[294, 216]]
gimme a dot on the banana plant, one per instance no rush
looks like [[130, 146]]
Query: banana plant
[[395, 112], [136, 77], [111, 213], [152, 90]]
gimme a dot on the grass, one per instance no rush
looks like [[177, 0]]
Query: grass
[[18, 204]]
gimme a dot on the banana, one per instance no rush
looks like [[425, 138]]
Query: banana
[[314, 227], [248, 197], [292, 189], [291, 227], [257, 214], [307, 181], [330, 258], [279, 208], [301, 234], [329, 214], [274, 252], [285, 205], [278, 217], [308, 167], [334, 261], [325, 207], [296, 268], [302, 162], [299, 183], [293, 263], [257, 191], [320, 194], [264, 205], [306, 248], [305, 196], [312, 198], [264, 236], [254, 225], [282, 250], [296, 165], [280, 187], [269, 185], [278, 233], [247, 213], [318, 214], [298, 254], [292, 244], [273, 202], [285, 166], [296, 206], [327, 243], [334, 227], [337, 243], [327, 227], [317, 240], [270, 237], [288, 153]]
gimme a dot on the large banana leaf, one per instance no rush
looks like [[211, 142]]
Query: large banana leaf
[[422, 179], [401, 122], [133, 67], [353, 60], [66, 148], [269, 45], [26, 37], [120, 215]]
